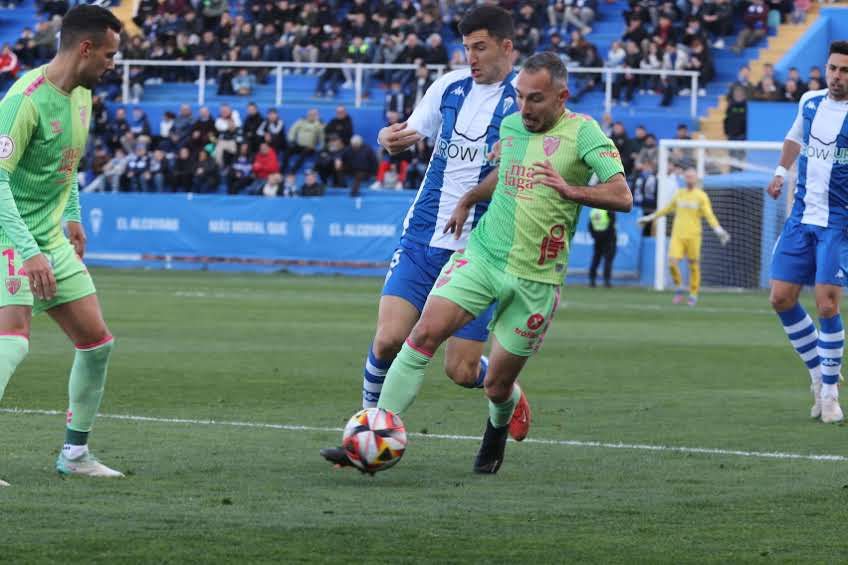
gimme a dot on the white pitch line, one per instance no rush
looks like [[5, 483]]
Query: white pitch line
[[563, 442]]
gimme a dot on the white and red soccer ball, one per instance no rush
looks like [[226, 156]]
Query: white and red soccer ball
[[374, 439]]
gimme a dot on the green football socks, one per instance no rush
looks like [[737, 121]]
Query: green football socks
[[403, 381], [500, 414], [85, 389], [13, 349]]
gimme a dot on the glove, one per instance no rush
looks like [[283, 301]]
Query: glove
[[646, 219], [723, 236]]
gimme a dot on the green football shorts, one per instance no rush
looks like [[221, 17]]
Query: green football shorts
[[524, 307], [72, 279]]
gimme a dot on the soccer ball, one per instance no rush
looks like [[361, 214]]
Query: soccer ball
[[374, 439]]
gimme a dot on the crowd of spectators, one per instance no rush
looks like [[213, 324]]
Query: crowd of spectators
[[770, 88], [682, 36], [253, 154], [258, 154], [639, 156]]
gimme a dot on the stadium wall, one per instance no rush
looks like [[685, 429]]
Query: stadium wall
[[769, 121], [812, 48], [335, 234]]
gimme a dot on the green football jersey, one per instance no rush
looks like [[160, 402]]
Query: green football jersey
[[43, 132], [528, 227]]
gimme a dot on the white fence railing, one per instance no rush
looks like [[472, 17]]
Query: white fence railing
[[360, 68]]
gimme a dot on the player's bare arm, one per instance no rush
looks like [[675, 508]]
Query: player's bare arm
[[480, 193], [398, 137], [76, 235], [611, 195], [791, 150]]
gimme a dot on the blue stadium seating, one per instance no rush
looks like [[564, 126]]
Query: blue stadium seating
[[299, 90]]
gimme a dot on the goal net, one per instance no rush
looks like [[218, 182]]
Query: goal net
[[734, 175]]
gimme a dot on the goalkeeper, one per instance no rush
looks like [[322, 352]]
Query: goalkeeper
[[689, 206]]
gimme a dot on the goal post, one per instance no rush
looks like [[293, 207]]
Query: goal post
[[735, 175]]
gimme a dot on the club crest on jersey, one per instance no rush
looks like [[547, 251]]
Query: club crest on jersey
[[13, 285], [7, 146], [550, 144], [56, 126]]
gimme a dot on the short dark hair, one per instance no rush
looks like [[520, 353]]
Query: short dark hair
[[546, 60], [839, 47], [497, 21], [87, 21]]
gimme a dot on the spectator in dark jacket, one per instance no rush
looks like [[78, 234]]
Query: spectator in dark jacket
[[182, 172], [311, 185], [205, 124], [116, 129], [359, 163], [328, 165], [736, 121], [241, 171], [99, 117], [207, 175], [718, 21], [622, 142], [250, 127], [341, 125], [437, 53], [331, 79], [756, 26], [273, 126]]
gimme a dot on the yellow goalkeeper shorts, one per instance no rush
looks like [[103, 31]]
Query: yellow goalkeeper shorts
[[685, 247]]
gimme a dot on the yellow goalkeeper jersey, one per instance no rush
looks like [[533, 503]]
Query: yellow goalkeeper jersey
[[688, 207]]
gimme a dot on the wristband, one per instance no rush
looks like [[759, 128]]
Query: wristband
[[780, 171]]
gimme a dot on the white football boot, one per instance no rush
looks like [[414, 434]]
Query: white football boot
[[86, 465], [831, 412], [3, 483]]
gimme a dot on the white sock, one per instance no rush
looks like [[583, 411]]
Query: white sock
[[829, 391], [815, 375], [73, 452]]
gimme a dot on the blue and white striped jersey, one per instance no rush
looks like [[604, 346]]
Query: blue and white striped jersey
[[821, 128], [463, 119]]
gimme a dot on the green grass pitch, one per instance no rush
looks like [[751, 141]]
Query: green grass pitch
[[619, 366]]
